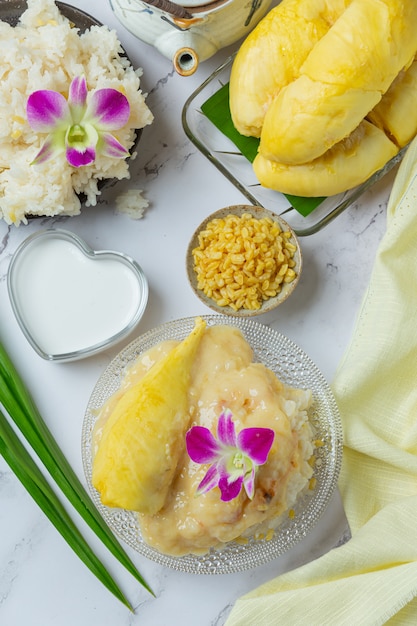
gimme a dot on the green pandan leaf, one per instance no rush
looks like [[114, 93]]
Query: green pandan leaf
[[19, 405], [217, 110], [29, 474]]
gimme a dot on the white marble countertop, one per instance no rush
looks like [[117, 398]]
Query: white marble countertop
[[42, 582]]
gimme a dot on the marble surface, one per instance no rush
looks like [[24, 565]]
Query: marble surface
[[42, 582]]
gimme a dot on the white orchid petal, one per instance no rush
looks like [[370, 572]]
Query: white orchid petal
[[111, 147], [77, 98], [47, 110], [108, 109], [54, 144]]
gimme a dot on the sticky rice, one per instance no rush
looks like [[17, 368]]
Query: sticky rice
[[46, 51]]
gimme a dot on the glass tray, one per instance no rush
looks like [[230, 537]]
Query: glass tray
[[227, 158]]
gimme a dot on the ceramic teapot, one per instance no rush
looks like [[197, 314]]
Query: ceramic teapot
[[191, 32]]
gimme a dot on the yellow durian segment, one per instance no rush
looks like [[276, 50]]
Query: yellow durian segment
[[313, 129], [361, 54], [396, 114], [368, 45], [344, 166], [144, 437], [271, 56]]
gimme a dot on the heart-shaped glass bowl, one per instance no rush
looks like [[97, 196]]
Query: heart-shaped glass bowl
[[71, 301]]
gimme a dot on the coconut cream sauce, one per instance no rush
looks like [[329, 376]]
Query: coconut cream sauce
[[69, 301]]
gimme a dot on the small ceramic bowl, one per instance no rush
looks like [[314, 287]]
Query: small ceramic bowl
[[71, 301], [271, 302]]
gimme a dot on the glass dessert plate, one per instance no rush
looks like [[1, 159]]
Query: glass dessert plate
[[220, 151], [293, 367]]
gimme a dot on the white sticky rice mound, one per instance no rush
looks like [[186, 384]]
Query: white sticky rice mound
[[296, 405], [131, 203], [46, 51]]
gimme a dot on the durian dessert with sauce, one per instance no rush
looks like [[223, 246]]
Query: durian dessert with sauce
[[208, 391], [330, 89]]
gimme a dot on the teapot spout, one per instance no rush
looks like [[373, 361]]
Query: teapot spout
[[186, 50], [185, 61]]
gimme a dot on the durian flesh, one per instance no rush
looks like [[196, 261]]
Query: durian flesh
[[388, 127], [306, 130], [272, 54], [396, 113], [359, 57], [144, 437], [310, 117], [344, 166]]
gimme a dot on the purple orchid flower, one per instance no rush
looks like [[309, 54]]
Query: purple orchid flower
[[78, 128], [234, 458]]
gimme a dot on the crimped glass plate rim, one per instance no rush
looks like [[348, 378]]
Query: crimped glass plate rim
[[293, 366]]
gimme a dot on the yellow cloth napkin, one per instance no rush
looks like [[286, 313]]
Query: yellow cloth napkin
[[372, 579]]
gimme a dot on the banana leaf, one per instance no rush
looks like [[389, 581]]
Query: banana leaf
[[217, 110]]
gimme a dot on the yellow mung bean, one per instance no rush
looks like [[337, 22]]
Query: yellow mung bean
[[242, 261]]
